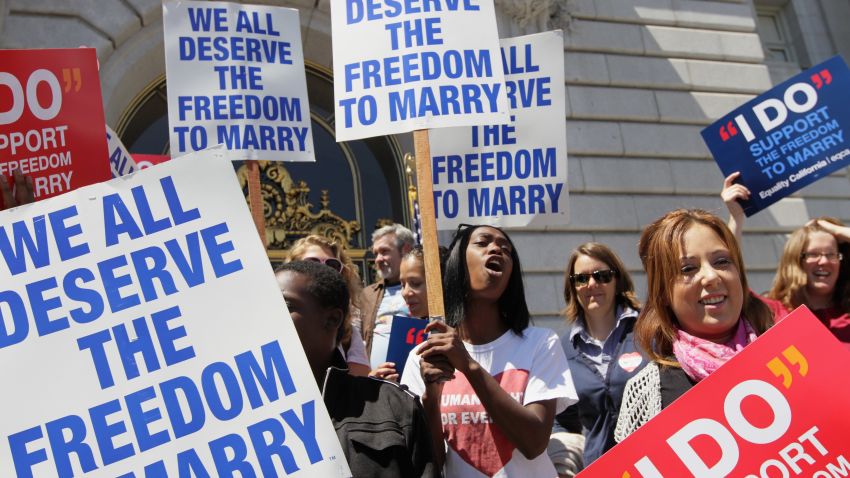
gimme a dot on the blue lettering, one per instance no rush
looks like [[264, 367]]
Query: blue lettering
[[179, 424], [229, 466], [95, 343], [80, 294], [149, 264], [36, 248], [189, 465], [63, 233], [274, 366], [275, 447], [141, 419], [23, 459], [167, 336], [231, 385], [216, 250], [19, 319], [62, 449], [479, 202], [105, 432], [41, 307], [112, 284], [114, 205], [129, 347], [149, 224], [305, 429], [175, 208]]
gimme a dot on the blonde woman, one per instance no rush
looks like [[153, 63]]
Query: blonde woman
[[814, 269]]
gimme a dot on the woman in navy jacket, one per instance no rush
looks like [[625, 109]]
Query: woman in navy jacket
[[601, 309]]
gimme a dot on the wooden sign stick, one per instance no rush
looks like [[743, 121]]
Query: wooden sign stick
[[255, 198], [428, 220]]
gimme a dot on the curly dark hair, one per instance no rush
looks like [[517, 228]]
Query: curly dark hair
[[325, 285]]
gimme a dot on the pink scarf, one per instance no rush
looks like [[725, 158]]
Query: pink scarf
[[699, 357]]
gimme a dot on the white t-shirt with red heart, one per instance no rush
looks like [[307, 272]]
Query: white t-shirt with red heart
[[531, 368]]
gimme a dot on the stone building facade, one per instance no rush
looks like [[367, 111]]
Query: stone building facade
[[643, 77]]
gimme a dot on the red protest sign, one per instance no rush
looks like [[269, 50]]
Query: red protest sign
[[778, 409], [51, 119]]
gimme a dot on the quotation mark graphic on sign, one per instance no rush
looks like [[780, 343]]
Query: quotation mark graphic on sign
[[417, 339], [822, 78], [794, 357], [73, 78], [728, 131]]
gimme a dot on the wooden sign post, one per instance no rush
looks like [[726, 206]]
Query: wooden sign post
[[255, 198], [427, 218]]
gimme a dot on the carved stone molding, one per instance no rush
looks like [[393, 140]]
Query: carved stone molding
[[539, 14]]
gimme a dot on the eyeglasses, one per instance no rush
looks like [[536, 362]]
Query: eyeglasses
[[815, 256], [601, 277], [334, 264]]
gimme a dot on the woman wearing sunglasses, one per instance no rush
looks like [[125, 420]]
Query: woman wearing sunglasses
[[490, 384], [600, 348], [698, 313], [814, 269], [325, 251]]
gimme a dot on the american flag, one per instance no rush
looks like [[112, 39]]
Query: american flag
[[417, 223]]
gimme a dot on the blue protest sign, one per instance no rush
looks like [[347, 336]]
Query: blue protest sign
[[407, 332], [788, 137]]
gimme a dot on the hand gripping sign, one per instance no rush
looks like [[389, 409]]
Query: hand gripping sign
[[236, 77], [51, 119], [788, 137], [142, 335], [403, 66], [777, 409], [511, 175]]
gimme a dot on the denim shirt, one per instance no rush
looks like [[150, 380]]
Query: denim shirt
[[597, 351]]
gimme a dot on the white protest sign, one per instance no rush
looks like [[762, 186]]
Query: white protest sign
[[143, 335], [401, 66], [120, 160], [236, 76], [512, 175]]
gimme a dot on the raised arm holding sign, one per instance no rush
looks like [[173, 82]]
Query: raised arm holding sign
[[788, 137]]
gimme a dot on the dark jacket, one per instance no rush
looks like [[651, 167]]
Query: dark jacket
[[380, 425], [674, 383], [600, 397], [370, 302]]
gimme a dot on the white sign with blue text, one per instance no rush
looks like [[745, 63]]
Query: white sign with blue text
[[120, 161], [511, 175], [236, 77], [143, 335], [406, 65]]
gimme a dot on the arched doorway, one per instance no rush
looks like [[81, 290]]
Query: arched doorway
[[351, 189]]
